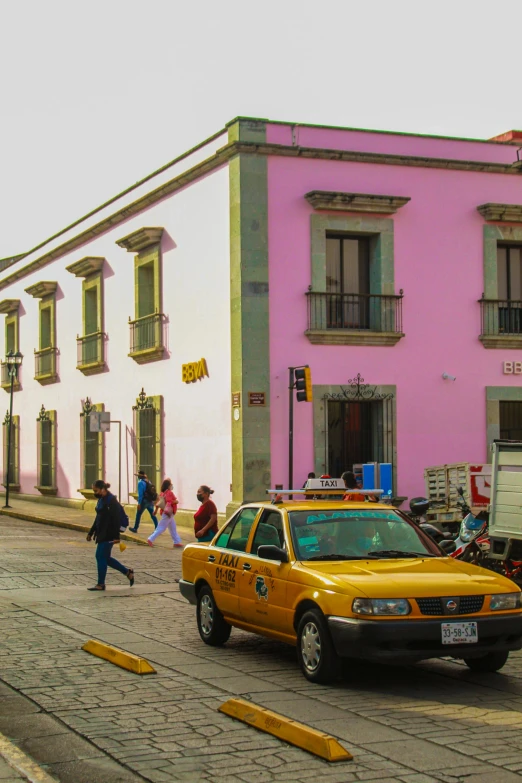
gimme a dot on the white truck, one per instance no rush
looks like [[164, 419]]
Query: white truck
[[505, 513], [442, 483]]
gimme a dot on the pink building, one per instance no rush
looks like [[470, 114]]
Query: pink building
[[383, 261]]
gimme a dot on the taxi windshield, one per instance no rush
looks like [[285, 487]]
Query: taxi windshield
[[339, 534]]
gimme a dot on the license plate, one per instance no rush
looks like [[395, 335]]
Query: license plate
[[459, 633]]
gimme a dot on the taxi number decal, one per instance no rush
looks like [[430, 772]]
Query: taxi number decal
[[229, 560], [225, 574]]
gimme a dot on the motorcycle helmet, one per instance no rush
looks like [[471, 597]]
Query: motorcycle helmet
[[419, 506]]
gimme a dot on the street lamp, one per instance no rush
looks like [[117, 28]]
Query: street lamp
[[13, 361]]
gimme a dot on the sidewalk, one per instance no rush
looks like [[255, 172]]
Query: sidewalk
[[73, 519]]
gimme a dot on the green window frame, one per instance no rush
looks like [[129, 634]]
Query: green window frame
[[45, 355], [492, 336], [92, 446], [380, 235], [148, 417], [147, 339], [46, 444], [11, 339], [14, 472], [91, 343]]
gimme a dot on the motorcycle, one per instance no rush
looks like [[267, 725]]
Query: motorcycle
[[418, 508]]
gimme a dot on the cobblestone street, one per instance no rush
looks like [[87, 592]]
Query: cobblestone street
[[82, 718]]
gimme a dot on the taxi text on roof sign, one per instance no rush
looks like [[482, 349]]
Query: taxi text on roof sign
[[325, 483]]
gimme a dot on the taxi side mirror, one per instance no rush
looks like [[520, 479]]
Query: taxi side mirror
[[271, 552]]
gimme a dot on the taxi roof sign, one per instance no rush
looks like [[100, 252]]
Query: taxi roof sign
[[325, 483]]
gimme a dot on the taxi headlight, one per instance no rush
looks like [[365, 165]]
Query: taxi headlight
[[505, 601], [382, 606]]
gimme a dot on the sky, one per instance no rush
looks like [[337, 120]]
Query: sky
[[95, 95]]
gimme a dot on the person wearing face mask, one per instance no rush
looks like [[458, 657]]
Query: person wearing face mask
[[205, 518], [364, 542], [168, 503], [106, 533]]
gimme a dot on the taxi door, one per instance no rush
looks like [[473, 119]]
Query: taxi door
[[226, 560], [263, 586]]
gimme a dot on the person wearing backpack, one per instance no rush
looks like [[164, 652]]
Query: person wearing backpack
[[147, 496], [106, 533]]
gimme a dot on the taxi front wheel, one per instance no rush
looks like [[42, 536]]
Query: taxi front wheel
[[212, 627], [317, 657], [491, 662]]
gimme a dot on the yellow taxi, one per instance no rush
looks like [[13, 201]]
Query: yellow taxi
[[341, 579]]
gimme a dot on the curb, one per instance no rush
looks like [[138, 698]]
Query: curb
[[22, 763], [63, 524]]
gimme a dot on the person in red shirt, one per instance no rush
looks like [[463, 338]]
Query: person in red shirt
[[205, 518], [350, 483]]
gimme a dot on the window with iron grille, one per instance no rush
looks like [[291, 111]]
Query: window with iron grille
[[14, 462], [147, 328], [92, 448], [147, 433], [46, 432]]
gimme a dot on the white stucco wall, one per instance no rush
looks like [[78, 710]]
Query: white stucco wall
[[196, 301]]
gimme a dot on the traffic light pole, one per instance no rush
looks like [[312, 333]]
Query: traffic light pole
[[291, 385]]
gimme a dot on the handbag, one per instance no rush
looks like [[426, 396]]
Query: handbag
[[162, 503]]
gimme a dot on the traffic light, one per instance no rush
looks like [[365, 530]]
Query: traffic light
[[303, 384]]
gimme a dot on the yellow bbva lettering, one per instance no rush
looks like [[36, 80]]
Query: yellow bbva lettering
[[184, 373]]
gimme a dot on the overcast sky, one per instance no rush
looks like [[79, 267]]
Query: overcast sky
[[95, 95]]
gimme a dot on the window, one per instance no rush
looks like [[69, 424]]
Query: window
[[147, 342], [92, 445], [14, 461], [45, 356], [269, 532], [91, 344], [501, 302], [509, 280], [46, 438], [148, 413], [348, 282], [11, 339], [235, 536], [510, 420], [352, 299]]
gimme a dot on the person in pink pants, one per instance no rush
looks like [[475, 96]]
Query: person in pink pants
[[168, 504]]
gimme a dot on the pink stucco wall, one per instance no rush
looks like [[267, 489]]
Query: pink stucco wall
[[438, 263], [391, 143]]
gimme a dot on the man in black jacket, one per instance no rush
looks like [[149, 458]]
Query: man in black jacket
[[106, 533]]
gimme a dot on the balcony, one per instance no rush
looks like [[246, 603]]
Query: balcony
[[91, 353], [146, 338], [354, 319], [501, 323], [5, 380], [45, 366]]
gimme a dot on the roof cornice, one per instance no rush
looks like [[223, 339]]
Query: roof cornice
[[355, 202]]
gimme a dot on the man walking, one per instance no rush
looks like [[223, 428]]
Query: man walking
[[146, 498]]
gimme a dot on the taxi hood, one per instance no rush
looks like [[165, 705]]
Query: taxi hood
[[415, 578]]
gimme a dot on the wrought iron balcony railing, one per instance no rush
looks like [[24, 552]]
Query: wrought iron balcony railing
[[147, 338], [45, 365], [500, 317], [371, 312], [91, 351]]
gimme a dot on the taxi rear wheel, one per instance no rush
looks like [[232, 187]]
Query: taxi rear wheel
[[317, 657], [212, 627], [491, 662]]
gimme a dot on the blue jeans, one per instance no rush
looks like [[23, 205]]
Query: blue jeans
[[145, 507], [104, 560]]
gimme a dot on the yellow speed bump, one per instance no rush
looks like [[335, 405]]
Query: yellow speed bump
[[291, 731], [119, 657]]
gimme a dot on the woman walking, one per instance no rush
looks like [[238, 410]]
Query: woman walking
[[106, 533], [168, 503], [205, 518]]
